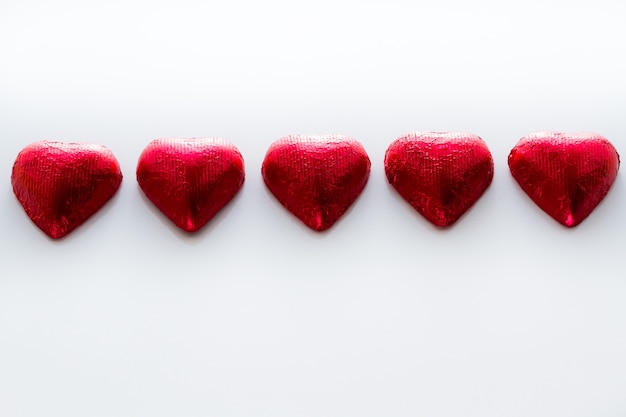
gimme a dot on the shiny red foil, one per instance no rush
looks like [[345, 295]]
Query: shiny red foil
[[316, 177], [566, 175], [440, 174], [60, 185], [190, 179]]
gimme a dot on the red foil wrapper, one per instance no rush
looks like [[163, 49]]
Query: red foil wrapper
[[190, 179], [60, 185], [316, 177], [566, 175], [440, 174]]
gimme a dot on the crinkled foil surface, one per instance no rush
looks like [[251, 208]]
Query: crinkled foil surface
[[316, 177], [190, 179], [60, 185], [566, 175], [440, 174]]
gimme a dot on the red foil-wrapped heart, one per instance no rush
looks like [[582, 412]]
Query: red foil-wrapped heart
[[60, 185], [440, 174], [316, 177], [566, 175], [190, 179]]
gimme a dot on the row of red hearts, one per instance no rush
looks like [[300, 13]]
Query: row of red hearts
[[60, 185]]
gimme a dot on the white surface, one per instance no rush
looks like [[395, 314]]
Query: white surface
[[505, 314]]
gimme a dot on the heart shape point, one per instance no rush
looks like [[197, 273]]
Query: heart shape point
[[316, 178], [441, 174], [60, 185], [190, 179], [566, 175]]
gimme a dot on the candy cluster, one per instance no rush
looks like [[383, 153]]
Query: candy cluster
[[441, 175]]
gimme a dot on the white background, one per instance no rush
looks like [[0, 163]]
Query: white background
[[505, 314]]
